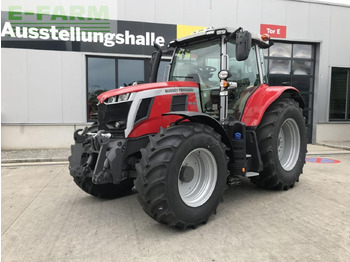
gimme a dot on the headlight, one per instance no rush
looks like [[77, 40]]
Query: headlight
[[111, 100], [123, 97]]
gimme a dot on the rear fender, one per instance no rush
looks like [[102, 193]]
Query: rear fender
[[263, 97]]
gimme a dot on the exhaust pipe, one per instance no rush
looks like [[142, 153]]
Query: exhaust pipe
[[155, 61]]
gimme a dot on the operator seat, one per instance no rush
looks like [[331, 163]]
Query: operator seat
[[194, 78]]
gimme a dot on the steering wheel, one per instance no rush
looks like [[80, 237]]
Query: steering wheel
[[207, 69]]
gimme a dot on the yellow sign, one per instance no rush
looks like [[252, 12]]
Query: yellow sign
[[186, 30]]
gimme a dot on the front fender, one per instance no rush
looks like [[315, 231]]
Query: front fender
[[262, 98], [206, 120]]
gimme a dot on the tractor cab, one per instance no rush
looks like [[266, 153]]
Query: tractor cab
[[221, 60]]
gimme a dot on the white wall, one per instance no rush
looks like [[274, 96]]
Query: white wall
[[333, 132], [42, 86], [48, 87], [16, 137]]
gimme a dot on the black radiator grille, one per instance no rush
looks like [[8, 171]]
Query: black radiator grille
[[108, 115]]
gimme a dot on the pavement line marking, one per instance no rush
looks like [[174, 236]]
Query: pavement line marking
[[34, 164]]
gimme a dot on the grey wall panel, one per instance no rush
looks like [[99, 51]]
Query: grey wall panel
[[73, 87], [44, 86], [136, 10], [249, 14], [14, 104], [319, 22], [274, 12], [169, 12], [197, 12], [224, 13], [318, 29], [120, 10], [339, 36], [297, 19]]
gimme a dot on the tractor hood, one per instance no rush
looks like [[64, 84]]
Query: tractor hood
[[138, 88]]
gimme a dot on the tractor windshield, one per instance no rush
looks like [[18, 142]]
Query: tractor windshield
[[199, 62]]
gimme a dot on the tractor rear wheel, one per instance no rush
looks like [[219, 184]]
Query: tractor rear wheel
[[182, 175], [282, 143]]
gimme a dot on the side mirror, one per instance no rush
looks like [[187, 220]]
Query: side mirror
[[243, 45]]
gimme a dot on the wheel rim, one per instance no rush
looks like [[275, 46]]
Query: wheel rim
[[288, 144], [197, 177]]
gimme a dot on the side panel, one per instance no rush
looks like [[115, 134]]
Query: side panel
[[260, 100], [161, 104]]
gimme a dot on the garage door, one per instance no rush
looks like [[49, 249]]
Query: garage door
[[293, 63]]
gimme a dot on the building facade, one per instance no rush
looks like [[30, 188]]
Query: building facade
[[56, 59]]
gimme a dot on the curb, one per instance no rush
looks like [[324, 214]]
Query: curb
[[334, 146], [33, 160], [328, 153], [65, 159]]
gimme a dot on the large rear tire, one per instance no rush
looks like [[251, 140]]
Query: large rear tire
[[282, 142], [182, 175]]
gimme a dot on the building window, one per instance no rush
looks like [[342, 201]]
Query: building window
[[100, 78], [339, 106], [107, 73], [293, 63], [130, 70]]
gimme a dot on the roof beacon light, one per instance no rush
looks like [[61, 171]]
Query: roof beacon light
[[265, 37]]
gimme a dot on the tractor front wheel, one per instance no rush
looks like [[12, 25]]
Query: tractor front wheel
[[108, 191], [182, 175], [282, 143]]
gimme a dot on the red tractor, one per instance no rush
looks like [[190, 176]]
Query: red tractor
[[183, 141]]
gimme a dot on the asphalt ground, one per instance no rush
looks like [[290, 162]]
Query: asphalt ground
[[46, 217]]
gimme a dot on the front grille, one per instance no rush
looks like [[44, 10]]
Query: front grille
[[108, 115]]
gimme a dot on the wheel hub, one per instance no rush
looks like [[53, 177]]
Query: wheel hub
[[197, 177], [288, 144], [186, 174]]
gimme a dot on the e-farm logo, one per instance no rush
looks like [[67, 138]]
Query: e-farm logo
[[58, 23]]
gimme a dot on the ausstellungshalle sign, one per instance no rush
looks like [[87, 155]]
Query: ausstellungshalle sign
[[52, 32]]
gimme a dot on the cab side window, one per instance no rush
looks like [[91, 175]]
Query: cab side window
[[246, 75]]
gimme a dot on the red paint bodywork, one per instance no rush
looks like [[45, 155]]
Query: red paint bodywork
[[254, 109], [138, 88], [260, 100], [161, 105]]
